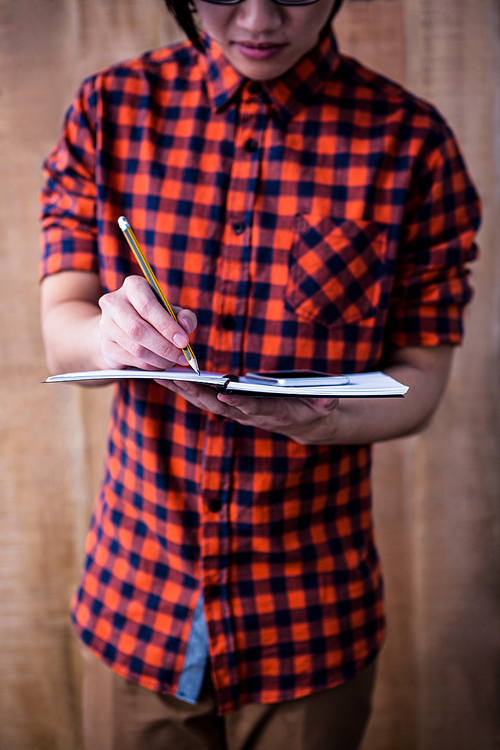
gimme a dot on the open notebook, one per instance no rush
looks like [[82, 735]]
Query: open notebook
[[362, 385]]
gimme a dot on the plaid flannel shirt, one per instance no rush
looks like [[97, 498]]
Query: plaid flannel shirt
[[313, 221]]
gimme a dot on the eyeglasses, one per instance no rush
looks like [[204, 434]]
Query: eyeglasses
[[278, 2]]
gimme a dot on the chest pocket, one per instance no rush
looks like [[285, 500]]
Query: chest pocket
[[336, 269]]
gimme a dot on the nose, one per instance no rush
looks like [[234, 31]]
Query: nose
[[260, 16]]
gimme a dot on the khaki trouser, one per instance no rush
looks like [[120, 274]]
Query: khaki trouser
[[119, 715]]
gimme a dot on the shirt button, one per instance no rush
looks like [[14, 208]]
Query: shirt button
[[215, 506], [254, 87], [214, 591], [239, 227], [251, 145], [228, 322]]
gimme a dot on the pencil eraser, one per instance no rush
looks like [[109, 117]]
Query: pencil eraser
[[123, 223]]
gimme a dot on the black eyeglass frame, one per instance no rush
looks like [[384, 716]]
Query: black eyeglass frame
[[278, 2]]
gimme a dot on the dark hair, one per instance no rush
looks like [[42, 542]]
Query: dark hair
[[183, 10]]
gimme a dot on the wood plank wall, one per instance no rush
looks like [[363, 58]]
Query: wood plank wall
[[436, 495]]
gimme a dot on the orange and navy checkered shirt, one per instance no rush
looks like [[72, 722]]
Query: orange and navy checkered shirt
[[313, 221]]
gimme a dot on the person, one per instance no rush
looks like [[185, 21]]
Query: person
[[301, 212]]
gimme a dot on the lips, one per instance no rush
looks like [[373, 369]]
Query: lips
[[261, 51]]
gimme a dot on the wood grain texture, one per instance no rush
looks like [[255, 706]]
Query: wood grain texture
[[436, 495]]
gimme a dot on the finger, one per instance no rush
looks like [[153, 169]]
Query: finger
[[280, 412], [131, 317], [145, 302], [320, 404], [203, 397], [207, 398], [119, 351], [133, 341], [269, 413], [186, 318], [247, 405]]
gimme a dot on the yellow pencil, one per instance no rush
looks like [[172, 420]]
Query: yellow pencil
[[153, 282]]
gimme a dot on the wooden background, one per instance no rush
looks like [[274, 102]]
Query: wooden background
[[437, 495]]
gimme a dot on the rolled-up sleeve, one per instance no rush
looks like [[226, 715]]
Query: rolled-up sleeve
[[68, 196], [442, 216]]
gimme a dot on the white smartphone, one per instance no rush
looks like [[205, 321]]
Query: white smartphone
[[295, 378]]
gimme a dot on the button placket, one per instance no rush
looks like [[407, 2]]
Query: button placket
[[215, 535], [233, 268], [229, 306]]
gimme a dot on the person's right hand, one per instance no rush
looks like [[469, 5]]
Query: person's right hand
[[136, 331]]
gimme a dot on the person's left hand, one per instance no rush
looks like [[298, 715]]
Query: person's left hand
[[306, 420]]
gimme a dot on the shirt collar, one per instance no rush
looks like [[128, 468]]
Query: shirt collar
[[288, 93]]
